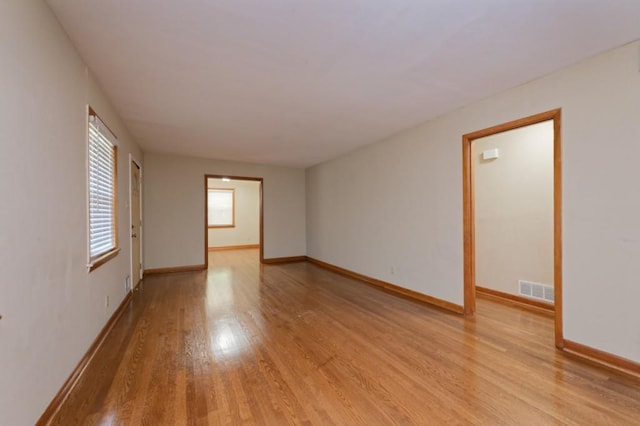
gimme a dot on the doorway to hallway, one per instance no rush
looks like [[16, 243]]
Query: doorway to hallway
[[473, 222]]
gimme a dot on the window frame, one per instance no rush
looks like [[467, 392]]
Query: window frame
[[103, 257], [233, 208]]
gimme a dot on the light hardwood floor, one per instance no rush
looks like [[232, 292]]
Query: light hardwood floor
[[245, 343]]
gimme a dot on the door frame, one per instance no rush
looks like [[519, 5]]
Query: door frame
[[134, 284], [469, 210], [206, 206]]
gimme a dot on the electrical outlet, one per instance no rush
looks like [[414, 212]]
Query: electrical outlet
[[106, 302], [393, 269], [127, 284]]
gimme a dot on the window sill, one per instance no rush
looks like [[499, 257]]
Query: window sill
[[220, 226], [102, 259]]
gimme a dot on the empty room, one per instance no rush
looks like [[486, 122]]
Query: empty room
[[319, 212]]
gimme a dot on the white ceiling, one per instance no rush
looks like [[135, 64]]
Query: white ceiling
[[295, 82]]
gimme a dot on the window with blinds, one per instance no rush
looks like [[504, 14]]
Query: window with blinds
[[103, 243]]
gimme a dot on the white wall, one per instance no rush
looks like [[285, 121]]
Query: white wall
[[174, 208], [514, 208], [400, 201], [52, 307], [247, 215]]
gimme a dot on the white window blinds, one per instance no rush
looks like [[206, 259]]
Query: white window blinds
[[102, 189]]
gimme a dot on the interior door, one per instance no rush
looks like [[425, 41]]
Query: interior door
[[136, 266]]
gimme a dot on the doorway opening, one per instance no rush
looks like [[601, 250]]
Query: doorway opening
[[472, 160], [233, 214]]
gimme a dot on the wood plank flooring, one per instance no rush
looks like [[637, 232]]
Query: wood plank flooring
[[244, 343]]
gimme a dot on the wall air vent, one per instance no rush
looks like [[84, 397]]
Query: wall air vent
[[535, 290]]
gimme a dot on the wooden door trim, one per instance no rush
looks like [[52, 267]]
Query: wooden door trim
[[469, 202], [206, 202]]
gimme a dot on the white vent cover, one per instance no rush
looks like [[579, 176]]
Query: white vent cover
[[535, 290]]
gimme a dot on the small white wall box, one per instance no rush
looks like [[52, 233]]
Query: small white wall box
[[490, 154]]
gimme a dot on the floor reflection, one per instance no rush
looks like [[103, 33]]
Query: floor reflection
[[219, 292], [228, 339]]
